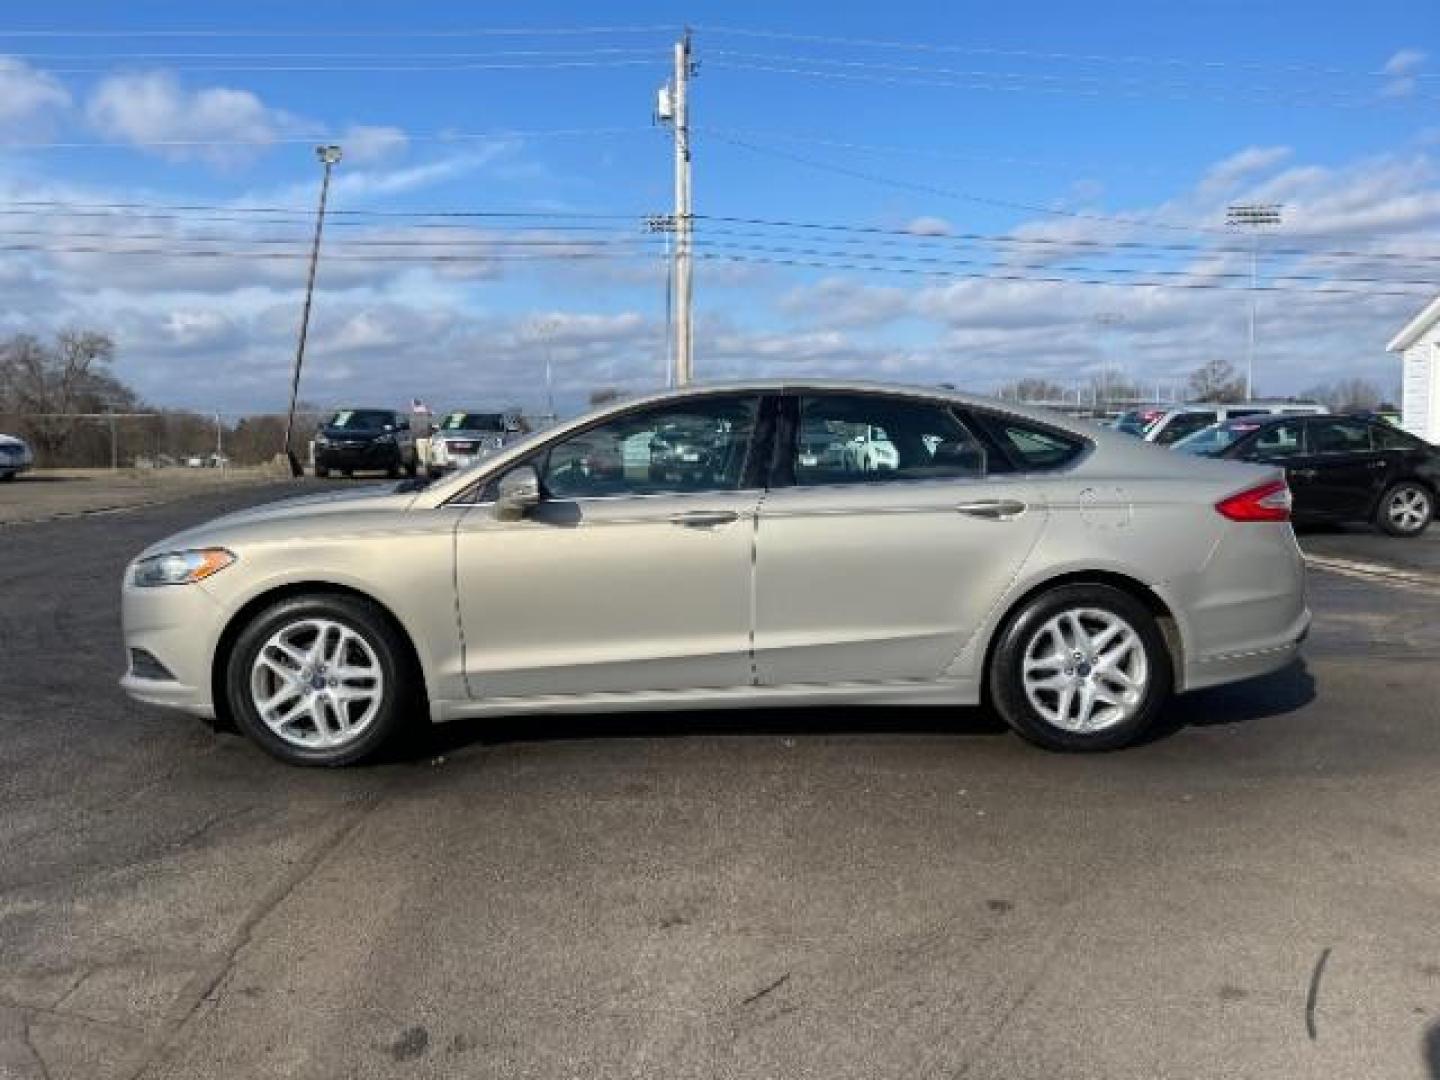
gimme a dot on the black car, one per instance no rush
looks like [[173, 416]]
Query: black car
[[1340, 468], [365, 440]]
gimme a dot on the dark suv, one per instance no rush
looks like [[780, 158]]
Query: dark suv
[[1340, 468], [365, 440]]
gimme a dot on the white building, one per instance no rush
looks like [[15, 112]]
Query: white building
[[1419, 344]]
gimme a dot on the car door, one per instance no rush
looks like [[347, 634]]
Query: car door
[[1281, 443], [1341, 472], [881, 574], [632, 575]]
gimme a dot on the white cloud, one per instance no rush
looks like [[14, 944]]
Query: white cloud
[[28, 96], [153, 110], [1402, 69], [1225, 174], [366, 143], [928, 225]]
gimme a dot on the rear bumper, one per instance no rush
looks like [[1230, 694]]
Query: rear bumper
[[1222, 668]]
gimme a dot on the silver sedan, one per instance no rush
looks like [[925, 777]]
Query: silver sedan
[[1072, 577]]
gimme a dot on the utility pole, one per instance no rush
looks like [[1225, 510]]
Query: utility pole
[[1252, 216], [328, 156], [675, 109]]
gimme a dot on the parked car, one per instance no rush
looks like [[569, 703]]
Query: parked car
[[365, 440], [1171, 425], [464, 437], [1340, 468], [870, 450], [15, 457], [1073, 576]]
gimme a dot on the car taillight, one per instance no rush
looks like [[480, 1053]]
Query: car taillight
[[1269, 501]]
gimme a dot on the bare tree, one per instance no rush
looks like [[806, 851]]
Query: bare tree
[[1032, 389], [52, 382], [1347, 395], [1216, 380]]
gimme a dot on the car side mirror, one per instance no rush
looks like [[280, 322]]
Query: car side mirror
[[517, 493]]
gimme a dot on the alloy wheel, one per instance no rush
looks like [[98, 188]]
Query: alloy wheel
[[317, 684], [1085, 670], [1408, 509]]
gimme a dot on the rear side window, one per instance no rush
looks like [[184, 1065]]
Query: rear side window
[[1034, 448], [1182, 424], [1277, 441], [875, 439], [1339, 437]]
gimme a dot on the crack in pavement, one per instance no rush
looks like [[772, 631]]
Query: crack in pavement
[[205, 986], [34, 1050]]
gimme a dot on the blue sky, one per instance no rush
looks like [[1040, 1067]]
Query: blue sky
[[1036, 121]]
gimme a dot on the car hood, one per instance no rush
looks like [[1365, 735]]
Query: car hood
[[468, 434], [11, 440], [284, 516]]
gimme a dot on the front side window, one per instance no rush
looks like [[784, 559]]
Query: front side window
[[1387, 437], [871, 438], [1277, 441], [698, 445]]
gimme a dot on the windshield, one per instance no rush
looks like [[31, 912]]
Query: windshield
[[473, 421], [1215, 439], [361, 419]]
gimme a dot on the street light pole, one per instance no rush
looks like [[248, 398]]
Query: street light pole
[[1252, 216], [328, 156]]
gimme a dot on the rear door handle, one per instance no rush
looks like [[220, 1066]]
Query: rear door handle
[[1305, 474], [704, 519], [993, 509]]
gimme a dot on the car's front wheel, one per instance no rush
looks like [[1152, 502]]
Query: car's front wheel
[[320, 680], [1081, 667], [1406, 509]]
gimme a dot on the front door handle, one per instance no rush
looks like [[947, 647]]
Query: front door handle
[[1378, 464], [704, 519], [993, 509], [1304, 474]]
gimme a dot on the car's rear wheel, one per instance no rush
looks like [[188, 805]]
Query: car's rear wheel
[[320, 680], [1081, 667], [321, 472], [1405, 509]]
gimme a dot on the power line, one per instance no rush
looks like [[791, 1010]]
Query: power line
[[1066, 81], [1046, 280], [996, 82], [298, 140], [587, 220], [1046, 55], [377, 67], [1055, 241], [930, 189], [330, 32]]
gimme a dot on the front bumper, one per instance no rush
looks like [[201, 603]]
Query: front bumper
[[367, 456], [179, 626]]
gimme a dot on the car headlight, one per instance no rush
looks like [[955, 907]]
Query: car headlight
[[180, 567], [322, 440], [385, 438]]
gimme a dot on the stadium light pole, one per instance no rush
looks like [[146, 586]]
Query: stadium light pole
[[1252, 216], [328, 155]]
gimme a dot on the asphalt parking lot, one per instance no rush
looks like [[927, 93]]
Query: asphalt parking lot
[[819, 893]]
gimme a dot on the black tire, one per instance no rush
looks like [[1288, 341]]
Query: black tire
[[412, 467], [321, 472], [401, 701], [349, 474], [1417, 494], [5, 478], [1006, 673]]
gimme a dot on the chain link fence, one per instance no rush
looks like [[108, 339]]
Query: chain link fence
[[156, 440]]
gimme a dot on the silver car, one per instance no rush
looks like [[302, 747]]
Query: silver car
[[1071, 576], [15, 457], [464, 437]]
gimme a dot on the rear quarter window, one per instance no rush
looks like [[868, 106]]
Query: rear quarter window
[[1031, 447]]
